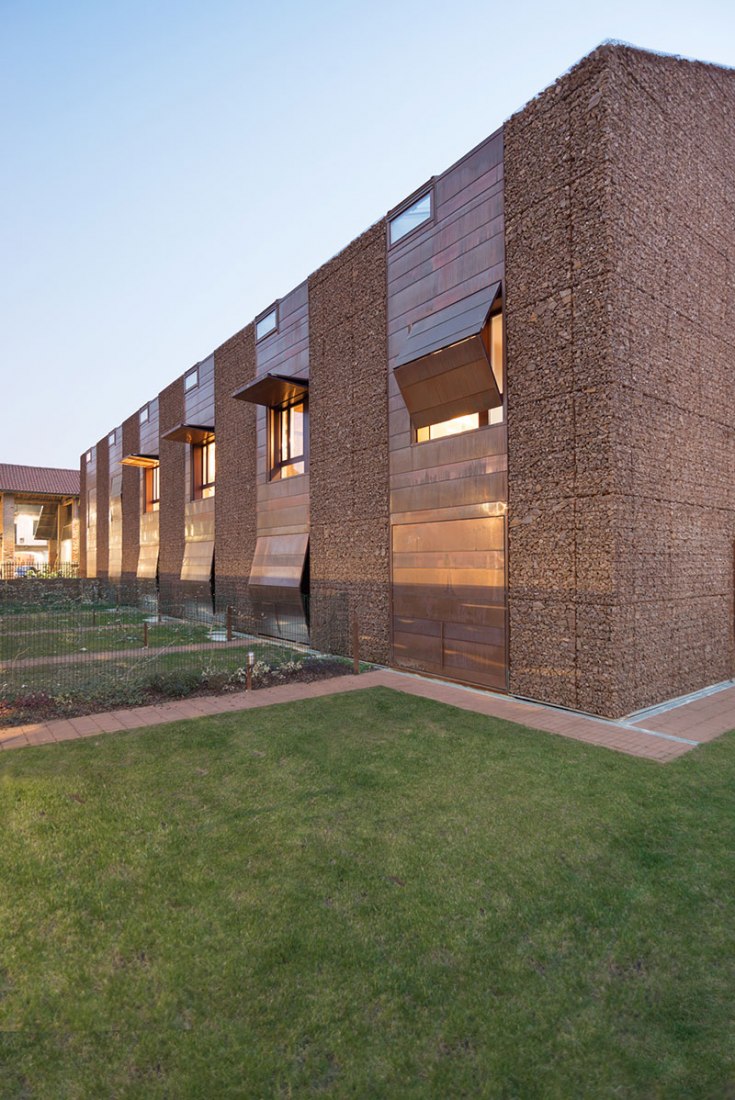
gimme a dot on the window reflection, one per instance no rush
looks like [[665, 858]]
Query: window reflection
[[412, 216]]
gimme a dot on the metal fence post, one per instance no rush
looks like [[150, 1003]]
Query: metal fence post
[[229, 623], [355, 643]]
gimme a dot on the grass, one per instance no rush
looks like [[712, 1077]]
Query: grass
[[372, 896], [51, 635], [82, 680]]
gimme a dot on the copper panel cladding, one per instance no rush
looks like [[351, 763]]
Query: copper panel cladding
[[148, 561], [149, 543], [448, 326], [448, 496], [276, 580], [279, 560], [198, 556], [115, 530]]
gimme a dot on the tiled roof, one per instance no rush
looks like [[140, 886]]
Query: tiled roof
[[38, 479]]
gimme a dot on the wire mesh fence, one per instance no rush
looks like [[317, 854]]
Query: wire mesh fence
[[14, 569], [73, 648]]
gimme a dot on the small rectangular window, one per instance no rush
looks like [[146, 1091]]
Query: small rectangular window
[[191, 379], [111, 438], [204, 460], [267, 324], [89, 457], [459, 424], [144, 415], [152, 488], [288, 439], [407, 220]]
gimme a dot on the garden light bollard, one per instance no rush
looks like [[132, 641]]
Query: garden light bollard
[[249, 673]]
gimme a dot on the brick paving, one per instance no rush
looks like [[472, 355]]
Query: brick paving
[[662, 735]]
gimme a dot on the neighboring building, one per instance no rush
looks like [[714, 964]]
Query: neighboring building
[[500, 424], [40, 519]]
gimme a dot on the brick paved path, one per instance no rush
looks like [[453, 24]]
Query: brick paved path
[[658, 734]]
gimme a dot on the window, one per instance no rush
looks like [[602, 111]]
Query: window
[[459, 424], [89, 457], [144, 415], [111, 438], [191, 379], [152, 477], [288, 439], [408, 219], [203, 456], [267, 324]]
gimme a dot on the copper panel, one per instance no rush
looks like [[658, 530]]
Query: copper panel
[[197, 564], [143, 462], [450, 471], [460, 535], [147, 560], [149, 544], [481, 607], [273, 390], [149, 528], [417, 650], [199, 519], [428, 651], [189, 433], [436, 495], [438, 453], [472, 656], [286, 350], [199, 400], [467, 511], [447, 326], [114, 547], [456, 560], [279, 560], [280, 611], [148, 432], [453, 382], [473, 224]]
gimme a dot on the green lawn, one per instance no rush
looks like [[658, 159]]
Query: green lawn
[[369, 896], [51, 635]]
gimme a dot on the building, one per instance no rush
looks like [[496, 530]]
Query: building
[[499, 424], [40, 520]]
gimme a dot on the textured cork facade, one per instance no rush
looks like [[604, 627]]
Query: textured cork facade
[[495, 433]]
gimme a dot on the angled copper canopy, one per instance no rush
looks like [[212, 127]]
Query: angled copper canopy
[[273, 390], [144, 462], [190, 433], [444, 367]]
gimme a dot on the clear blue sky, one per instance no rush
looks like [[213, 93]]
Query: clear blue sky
[[170, 168]]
